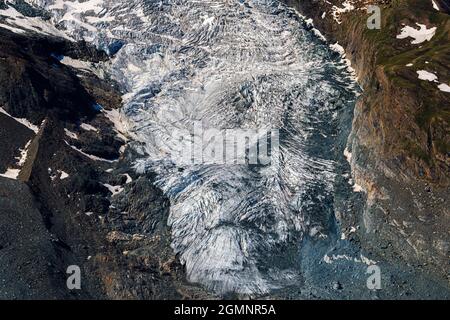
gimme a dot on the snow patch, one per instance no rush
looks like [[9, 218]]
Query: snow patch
[[63, 175], [15, 30], [357, 188], [11, 173], [428, 76], [348, 155], [113, 189], [444, 87], [92, 157], [22, 121], [425, 75], [419, 35], [84, 66], [337, 11], [129, 179], [88, 127], [23, 154], [435, 6], [71, 134], [75, 63]]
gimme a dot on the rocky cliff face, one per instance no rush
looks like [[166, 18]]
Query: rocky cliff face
[[399, 146]]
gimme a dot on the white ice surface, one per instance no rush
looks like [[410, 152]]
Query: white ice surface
[[229, 67]]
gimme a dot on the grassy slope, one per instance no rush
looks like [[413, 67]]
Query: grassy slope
[[393, 55]]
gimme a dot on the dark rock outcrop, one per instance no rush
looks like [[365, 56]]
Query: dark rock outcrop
[[30, 262]]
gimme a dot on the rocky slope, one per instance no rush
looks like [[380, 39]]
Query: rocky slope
[[399, 146], [67, 195]]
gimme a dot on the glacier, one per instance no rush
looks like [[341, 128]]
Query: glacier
[[228, 64]]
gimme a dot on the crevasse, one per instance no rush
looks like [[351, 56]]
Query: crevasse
[[226, 64]]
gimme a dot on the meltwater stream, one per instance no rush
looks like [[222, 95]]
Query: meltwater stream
[[227, 65]]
